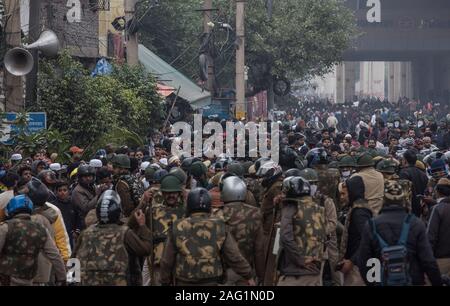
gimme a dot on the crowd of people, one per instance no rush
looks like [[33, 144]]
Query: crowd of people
[[353, 183]]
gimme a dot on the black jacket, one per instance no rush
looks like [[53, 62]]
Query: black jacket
[[419, 181], [439, 229], [389, 224], [359, 218], [71, 217]]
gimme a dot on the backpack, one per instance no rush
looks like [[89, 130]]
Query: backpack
[[395, 264]]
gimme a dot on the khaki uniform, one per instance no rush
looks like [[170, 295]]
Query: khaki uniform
[[373, 188]]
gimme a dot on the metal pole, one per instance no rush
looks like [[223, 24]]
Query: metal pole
[[171, 109], [13, 84], [240, 59], [207, 11]]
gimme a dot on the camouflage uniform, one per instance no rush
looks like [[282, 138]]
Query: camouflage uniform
[[21, 241], [244, 223], [328, 181], [130, 190], [271, 217], [198, 248], [160, 218], [303, 238], [105, 250], [255, 188], [406, 187], [332, 251], [268, 207]]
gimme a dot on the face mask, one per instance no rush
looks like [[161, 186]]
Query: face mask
[[396, 124], [419, 124], [346, 174], [313, 190]]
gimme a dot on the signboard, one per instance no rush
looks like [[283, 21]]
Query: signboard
[[218, 108], [36, 122]]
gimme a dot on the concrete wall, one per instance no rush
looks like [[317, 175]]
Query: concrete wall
[[80, 37], [105, 19]]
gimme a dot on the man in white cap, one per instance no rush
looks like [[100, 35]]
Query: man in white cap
[[95, 163], [163, 162], [16, 159]]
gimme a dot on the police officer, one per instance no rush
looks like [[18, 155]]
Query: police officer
[[199, 246], [302, 235], [347, 165], [327, 203], [160, 218], [245, 225], [387, 167], [106, 250], [271, 175], [328, 177], [21, 242], [236, 168], [125, 185]]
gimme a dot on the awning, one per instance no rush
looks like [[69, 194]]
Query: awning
[[169, 76], [164, 90]]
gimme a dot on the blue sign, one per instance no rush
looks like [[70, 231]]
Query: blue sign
[[217, 109], [36, 122]]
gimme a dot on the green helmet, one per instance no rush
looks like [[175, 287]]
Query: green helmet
[[246, 165], [149, 172], [334, 165], [122, 161], [198, 169], [310, 175], [236, 169], [171, 183], [386, 166], [365, 160], [347, 161], [178, 172]]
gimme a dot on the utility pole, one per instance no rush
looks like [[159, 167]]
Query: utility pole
[[33, 34], [240, 60], [131, 39], [13, 84], [207, 11]]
